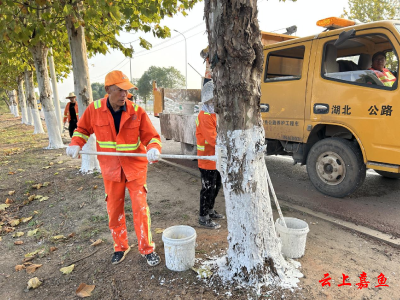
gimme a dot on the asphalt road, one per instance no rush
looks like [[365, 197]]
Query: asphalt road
[[375, 205]]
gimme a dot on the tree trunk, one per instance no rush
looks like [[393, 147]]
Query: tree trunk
[[83, 89], [254, 252], [39, 53], [29, 104], [56, 99], [12, 96], [22, 101]]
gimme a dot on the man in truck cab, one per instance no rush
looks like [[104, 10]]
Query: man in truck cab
[[378, 66]]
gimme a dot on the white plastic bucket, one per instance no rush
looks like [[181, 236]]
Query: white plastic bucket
[[179, 247], [293, 237]]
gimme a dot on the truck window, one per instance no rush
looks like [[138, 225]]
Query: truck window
[[351, 62], [286, 64]]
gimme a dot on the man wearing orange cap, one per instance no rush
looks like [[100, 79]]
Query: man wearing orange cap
[[122, 126]]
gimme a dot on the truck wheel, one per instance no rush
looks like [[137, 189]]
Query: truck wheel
[[335, 167], [388, 174]]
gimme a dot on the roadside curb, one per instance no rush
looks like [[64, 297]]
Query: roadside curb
[[372, 233]]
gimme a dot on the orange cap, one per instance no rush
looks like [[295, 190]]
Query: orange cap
[[106, 95], [129, 96], [119, 79]]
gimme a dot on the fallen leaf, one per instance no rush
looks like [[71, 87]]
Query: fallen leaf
[[56, 173], [71, 235], [51, 163], [97, 242], [31, 197], [0, 238], [60, 162], [47, 167], [20, 170], [35, 211], [26, 259], [18, 242], [52, 249], [37, 197], [27, 263], [46, 183], [11, 173], [58, 154], [4, 206], [8, 229], [84, 290], [32, 268], [60, 169], [95, 187], [32, 254], [9, 201], [33, 283], [14, 222], [11, 193], [18, 234], [203, 272], [1, 223], [19, 267], [80, 189], [159, 230], [44, 199], [58, 237], [37, 186], [32, 232], [67, 270], [24, 220]]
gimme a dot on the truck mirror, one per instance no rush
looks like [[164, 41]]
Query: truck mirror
[[344, 36]]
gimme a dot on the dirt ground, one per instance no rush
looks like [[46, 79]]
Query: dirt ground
[[75, 209]]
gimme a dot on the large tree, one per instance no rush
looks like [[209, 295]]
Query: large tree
[[236, 54], [166, 77]]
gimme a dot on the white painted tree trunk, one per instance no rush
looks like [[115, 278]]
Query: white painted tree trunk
[[39, 53], [32, 105], [22, 101], [83, 89], [12, 96], [254, 253], [56, 99]]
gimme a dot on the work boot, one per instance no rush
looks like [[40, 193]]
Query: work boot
[[206, 222], [214, 215], [153, 259], [119, 256]]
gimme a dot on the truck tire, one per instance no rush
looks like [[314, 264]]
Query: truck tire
[[388, 174], [335, 167]]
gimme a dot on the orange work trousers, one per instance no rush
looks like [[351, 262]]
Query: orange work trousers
[[115, 197]]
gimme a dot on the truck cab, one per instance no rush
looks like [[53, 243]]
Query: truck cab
[[323, 105]]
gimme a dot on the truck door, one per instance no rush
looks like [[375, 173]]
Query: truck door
[[347, 95], [283, 91]]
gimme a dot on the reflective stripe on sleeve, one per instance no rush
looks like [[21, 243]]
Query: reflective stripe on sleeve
[[155, 141], [81, 135], [200, 148], [97, 104], [107, 145]]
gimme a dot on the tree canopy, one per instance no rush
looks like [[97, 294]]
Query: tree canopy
[[98, 90], [371, 10], [166, 77]]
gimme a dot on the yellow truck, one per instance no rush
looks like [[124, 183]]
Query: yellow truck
[[321, 103]]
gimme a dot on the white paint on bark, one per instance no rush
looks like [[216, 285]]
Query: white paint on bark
[[31, 104], [82, 87], [22, 101], [254, 254], [90, 163], [12, 96], [56, 99], [39, 53]]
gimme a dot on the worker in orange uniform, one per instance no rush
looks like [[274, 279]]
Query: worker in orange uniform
[[71, 113], [378, 66], [206, 136], [122, 126]]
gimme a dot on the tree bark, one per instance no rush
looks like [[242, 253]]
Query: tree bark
[[236, 55], [12, 96], [56, 99], [39, 53], [29, 104], [22, 101], [83, 89]]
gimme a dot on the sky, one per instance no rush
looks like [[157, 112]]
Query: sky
[[272, 14]]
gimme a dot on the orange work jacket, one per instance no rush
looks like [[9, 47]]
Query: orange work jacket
[[66, 112], [387, 78], [136, 135], [206, 136]]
